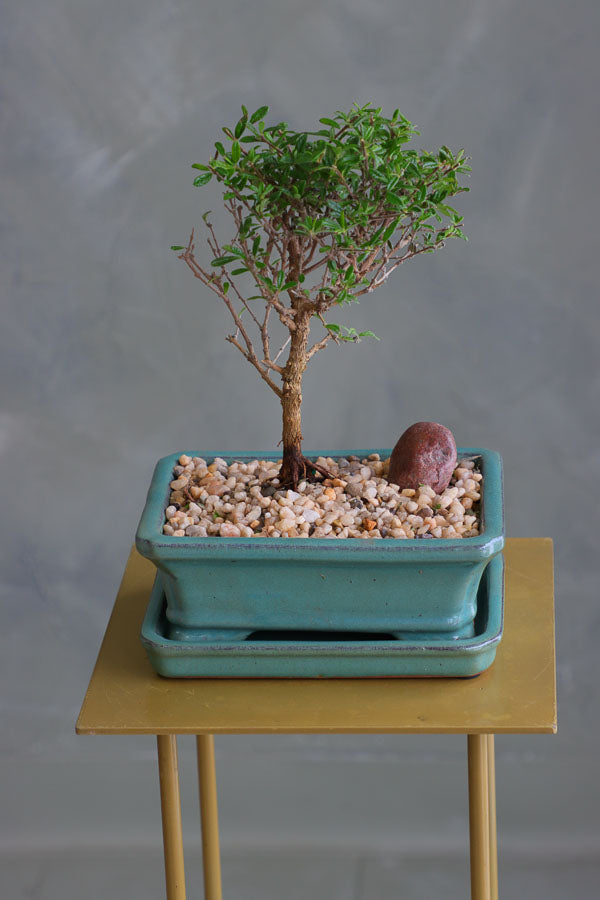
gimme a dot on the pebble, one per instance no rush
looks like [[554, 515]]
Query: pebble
[[424, 455], [310, 515], [215, 487], [246, 500], [354, 489], [229, 530]]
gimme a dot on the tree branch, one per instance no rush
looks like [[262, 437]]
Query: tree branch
[[280, 351], [215, 283], [285, 314], [233, 340], [379, 280], [319, 345]]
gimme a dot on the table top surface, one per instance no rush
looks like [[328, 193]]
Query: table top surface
[[517, 694]]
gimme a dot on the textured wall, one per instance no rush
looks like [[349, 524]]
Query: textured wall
[[113, 356]]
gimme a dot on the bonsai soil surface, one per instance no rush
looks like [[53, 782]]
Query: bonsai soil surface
[[245, 499]]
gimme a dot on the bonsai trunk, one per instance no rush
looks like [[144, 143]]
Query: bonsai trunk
[[295, 467], [292, 466]]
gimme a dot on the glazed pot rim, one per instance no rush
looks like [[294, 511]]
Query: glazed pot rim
[[152, 543]]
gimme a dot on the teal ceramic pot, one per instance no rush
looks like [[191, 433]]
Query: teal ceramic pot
[[226, 588], [330, 654]]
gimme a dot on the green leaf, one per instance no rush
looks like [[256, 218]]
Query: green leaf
[[177, 247], [236, 151], [223, 260], [238, 271], [235, 250], [368, 334], [200, 166], [259, 114], [267, 281], [220, 148], [389, 232], [202, 179], [330, 122]]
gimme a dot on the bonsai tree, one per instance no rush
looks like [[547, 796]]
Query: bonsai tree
[[319, 219]]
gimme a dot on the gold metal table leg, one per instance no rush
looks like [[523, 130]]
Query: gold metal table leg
[[209, 816], [171, 816], [492, 817], [479, 816]]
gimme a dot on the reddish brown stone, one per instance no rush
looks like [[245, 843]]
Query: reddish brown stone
[[424, 454]]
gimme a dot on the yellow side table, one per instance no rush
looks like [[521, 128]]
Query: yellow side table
[[517, 695]]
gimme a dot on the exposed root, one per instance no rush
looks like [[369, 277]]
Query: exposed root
[[300, 468]]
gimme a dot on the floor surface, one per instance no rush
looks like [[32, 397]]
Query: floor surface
[[287, 875]]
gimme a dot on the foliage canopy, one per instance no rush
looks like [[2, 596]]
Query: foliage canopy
[[321, 218]]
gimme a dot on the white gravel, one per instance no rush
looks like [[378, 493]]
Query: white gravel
[[244, 499]]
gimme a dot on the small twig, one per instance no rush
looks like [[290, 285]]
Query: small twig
[[281, 349], [320, 344], [384, 277]]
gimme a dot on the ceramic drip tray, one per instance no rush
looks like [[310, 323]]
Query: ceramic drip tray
[[309, 654]]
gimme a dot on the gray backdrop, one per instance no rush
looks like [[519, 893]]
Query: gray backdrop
[[113, 355]]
